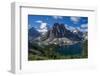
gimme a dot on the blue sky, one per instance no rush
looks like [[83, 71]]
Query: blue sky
[[70, 21]]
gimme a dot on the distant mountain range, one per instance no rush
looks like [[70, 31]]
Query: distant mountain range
[[33, 33], [58, 34]]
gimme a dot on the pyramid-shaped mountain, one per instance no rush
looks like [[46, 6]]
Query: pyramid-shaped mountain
[[60, 31]]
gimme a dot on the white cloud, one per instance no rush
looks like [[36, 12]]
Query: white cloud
[[39, 21], [81, 29], [84, 26], [71, 28], [43, 28], [57, 17], [75, 19], [43, 25]]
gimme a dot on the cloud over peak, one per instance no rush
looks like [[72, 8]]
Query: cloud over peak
[[39, 21], [75, 19], [57, 17]]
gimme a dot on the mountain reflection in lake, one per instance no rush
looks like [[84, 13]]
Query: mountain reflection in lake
[[70, 49]]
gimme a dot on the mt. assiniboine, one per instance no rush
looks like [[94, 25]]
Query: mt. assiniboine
[[56, 35]]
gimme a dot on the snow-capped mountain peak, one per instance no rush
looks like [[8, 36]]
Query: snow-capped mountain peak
[[75, 31]]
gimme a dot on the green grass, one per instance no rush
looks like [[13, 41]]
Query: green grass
[[48, 52]]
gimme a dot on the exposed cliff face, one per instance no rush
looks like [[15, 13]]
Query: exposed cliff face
[[59, 31]]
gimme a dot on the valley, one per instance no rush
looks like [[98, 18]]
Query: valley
[[57, 43]]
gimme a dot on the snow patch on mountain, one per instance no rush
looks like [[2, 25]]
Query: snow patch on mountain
[[83, 28], [71, 28]]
